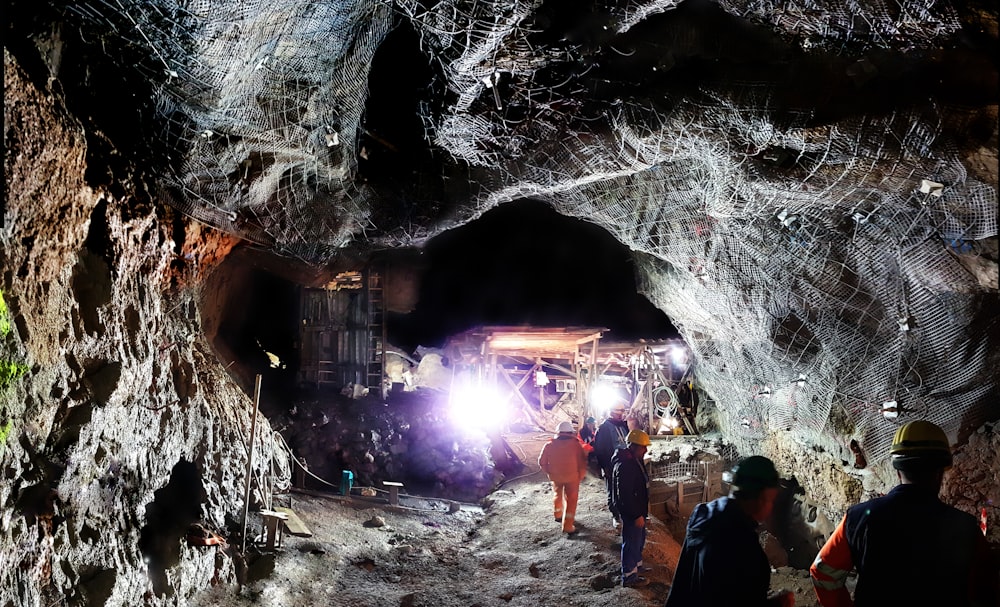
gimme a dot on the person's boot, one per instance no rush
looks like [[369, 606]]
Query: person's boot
[[635, 581], [567, 524]]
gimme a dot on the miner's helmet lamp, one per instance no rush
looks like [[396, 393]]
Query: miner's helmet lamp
[[920, 443], [754, 474]]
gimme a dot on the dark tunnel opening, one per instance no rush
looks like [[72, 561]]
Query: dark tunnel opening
[[259, 326], [522, 264], [173, 510], [519, 264]]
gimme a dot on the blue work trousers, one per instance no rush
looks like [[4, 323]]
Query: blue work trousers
[[633, 541], [610, 488]]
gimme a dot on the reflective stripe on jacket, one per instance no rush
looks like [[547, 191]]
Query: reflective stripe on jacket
[[830, 569]]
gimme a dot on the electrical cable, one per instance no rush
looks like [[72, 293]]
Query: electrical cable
[[375, 489]]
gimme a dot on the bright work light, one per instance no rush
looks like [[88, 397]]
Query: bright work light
[[603, 396], [478, 407]]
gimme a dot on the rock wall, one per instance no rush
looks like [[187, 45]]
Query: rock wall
[[409, 439], [973, 484], [119, 428]]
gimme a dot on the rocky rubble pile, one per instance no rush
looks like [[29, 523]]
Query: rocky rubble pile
[[409, 439]]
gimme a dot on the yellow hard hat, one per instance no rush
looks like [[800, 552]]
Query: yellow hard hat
[[638, 437], [920, 441]]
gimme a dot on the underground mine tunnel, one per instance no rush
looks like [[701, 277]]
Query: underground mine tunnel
[[789, 214], [522, 264], [519, 266]]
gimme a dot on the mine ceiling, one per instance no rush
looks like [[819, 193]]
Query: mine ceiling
[[807, 190]]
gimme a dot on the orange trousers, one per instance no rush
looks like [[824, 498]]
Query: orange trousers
[[566, 494]]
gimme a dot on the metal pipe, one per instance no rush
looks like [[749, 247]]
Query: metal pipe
[[253, 431]]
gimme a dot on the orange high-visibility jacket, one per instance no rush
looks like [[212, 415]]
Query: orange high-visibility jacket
[[564, 459]]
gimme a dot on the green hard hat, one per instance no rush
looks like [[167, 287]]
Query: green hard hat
[[755, 473]]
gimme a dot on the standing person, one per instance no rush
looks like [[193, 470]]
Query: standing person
[[588, 431], [565, 462], [722, 563], [631, 498], [908, 547], [586, 435], [609, 438]]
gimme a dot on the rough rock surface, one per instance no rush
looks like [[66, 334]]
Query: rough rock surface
[[504, 551], [121, 424], [974, 481], [125, 429]]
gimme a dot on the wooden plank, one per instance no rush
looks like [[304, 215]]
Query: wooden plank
[[516, 387], [294, 524], [595, 337], [393, 491]]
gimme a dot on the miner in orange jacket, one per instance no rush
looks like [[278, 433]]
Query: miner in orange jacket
[[565, 462], [908, 547]]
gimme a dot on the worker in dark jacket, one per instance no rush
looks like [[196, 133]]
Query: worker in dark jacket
[[609, 438], [588, 431], [586, 436], [631, 498], [722, 563], [908, 547]]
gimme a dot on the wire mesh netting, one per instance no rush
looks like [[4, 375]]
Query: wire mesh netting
[[807, 249]]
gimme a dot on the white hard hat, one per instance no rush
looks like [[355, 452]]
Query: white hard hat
[[565, 427]]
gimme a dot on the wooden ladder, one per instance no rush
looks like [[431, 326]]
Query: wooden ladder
[[375, 363]]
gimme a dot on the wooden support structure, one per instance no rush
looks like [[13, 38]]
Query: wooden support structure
[[250, 444], [516, 386], [690, 493], [576, 360], [272, 528], [713, 480], [375, 365], [393, 491], [277, 522], [294, 524]]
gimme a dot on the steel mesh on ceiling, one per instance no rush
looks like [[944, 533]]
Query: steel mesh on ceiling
[[803, 252]]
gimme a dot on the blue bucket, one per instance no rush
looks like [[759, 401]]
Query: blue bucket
[[346, 482]]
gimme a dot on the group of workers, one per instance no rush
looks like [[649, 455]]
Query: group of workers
[[905, 548]]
